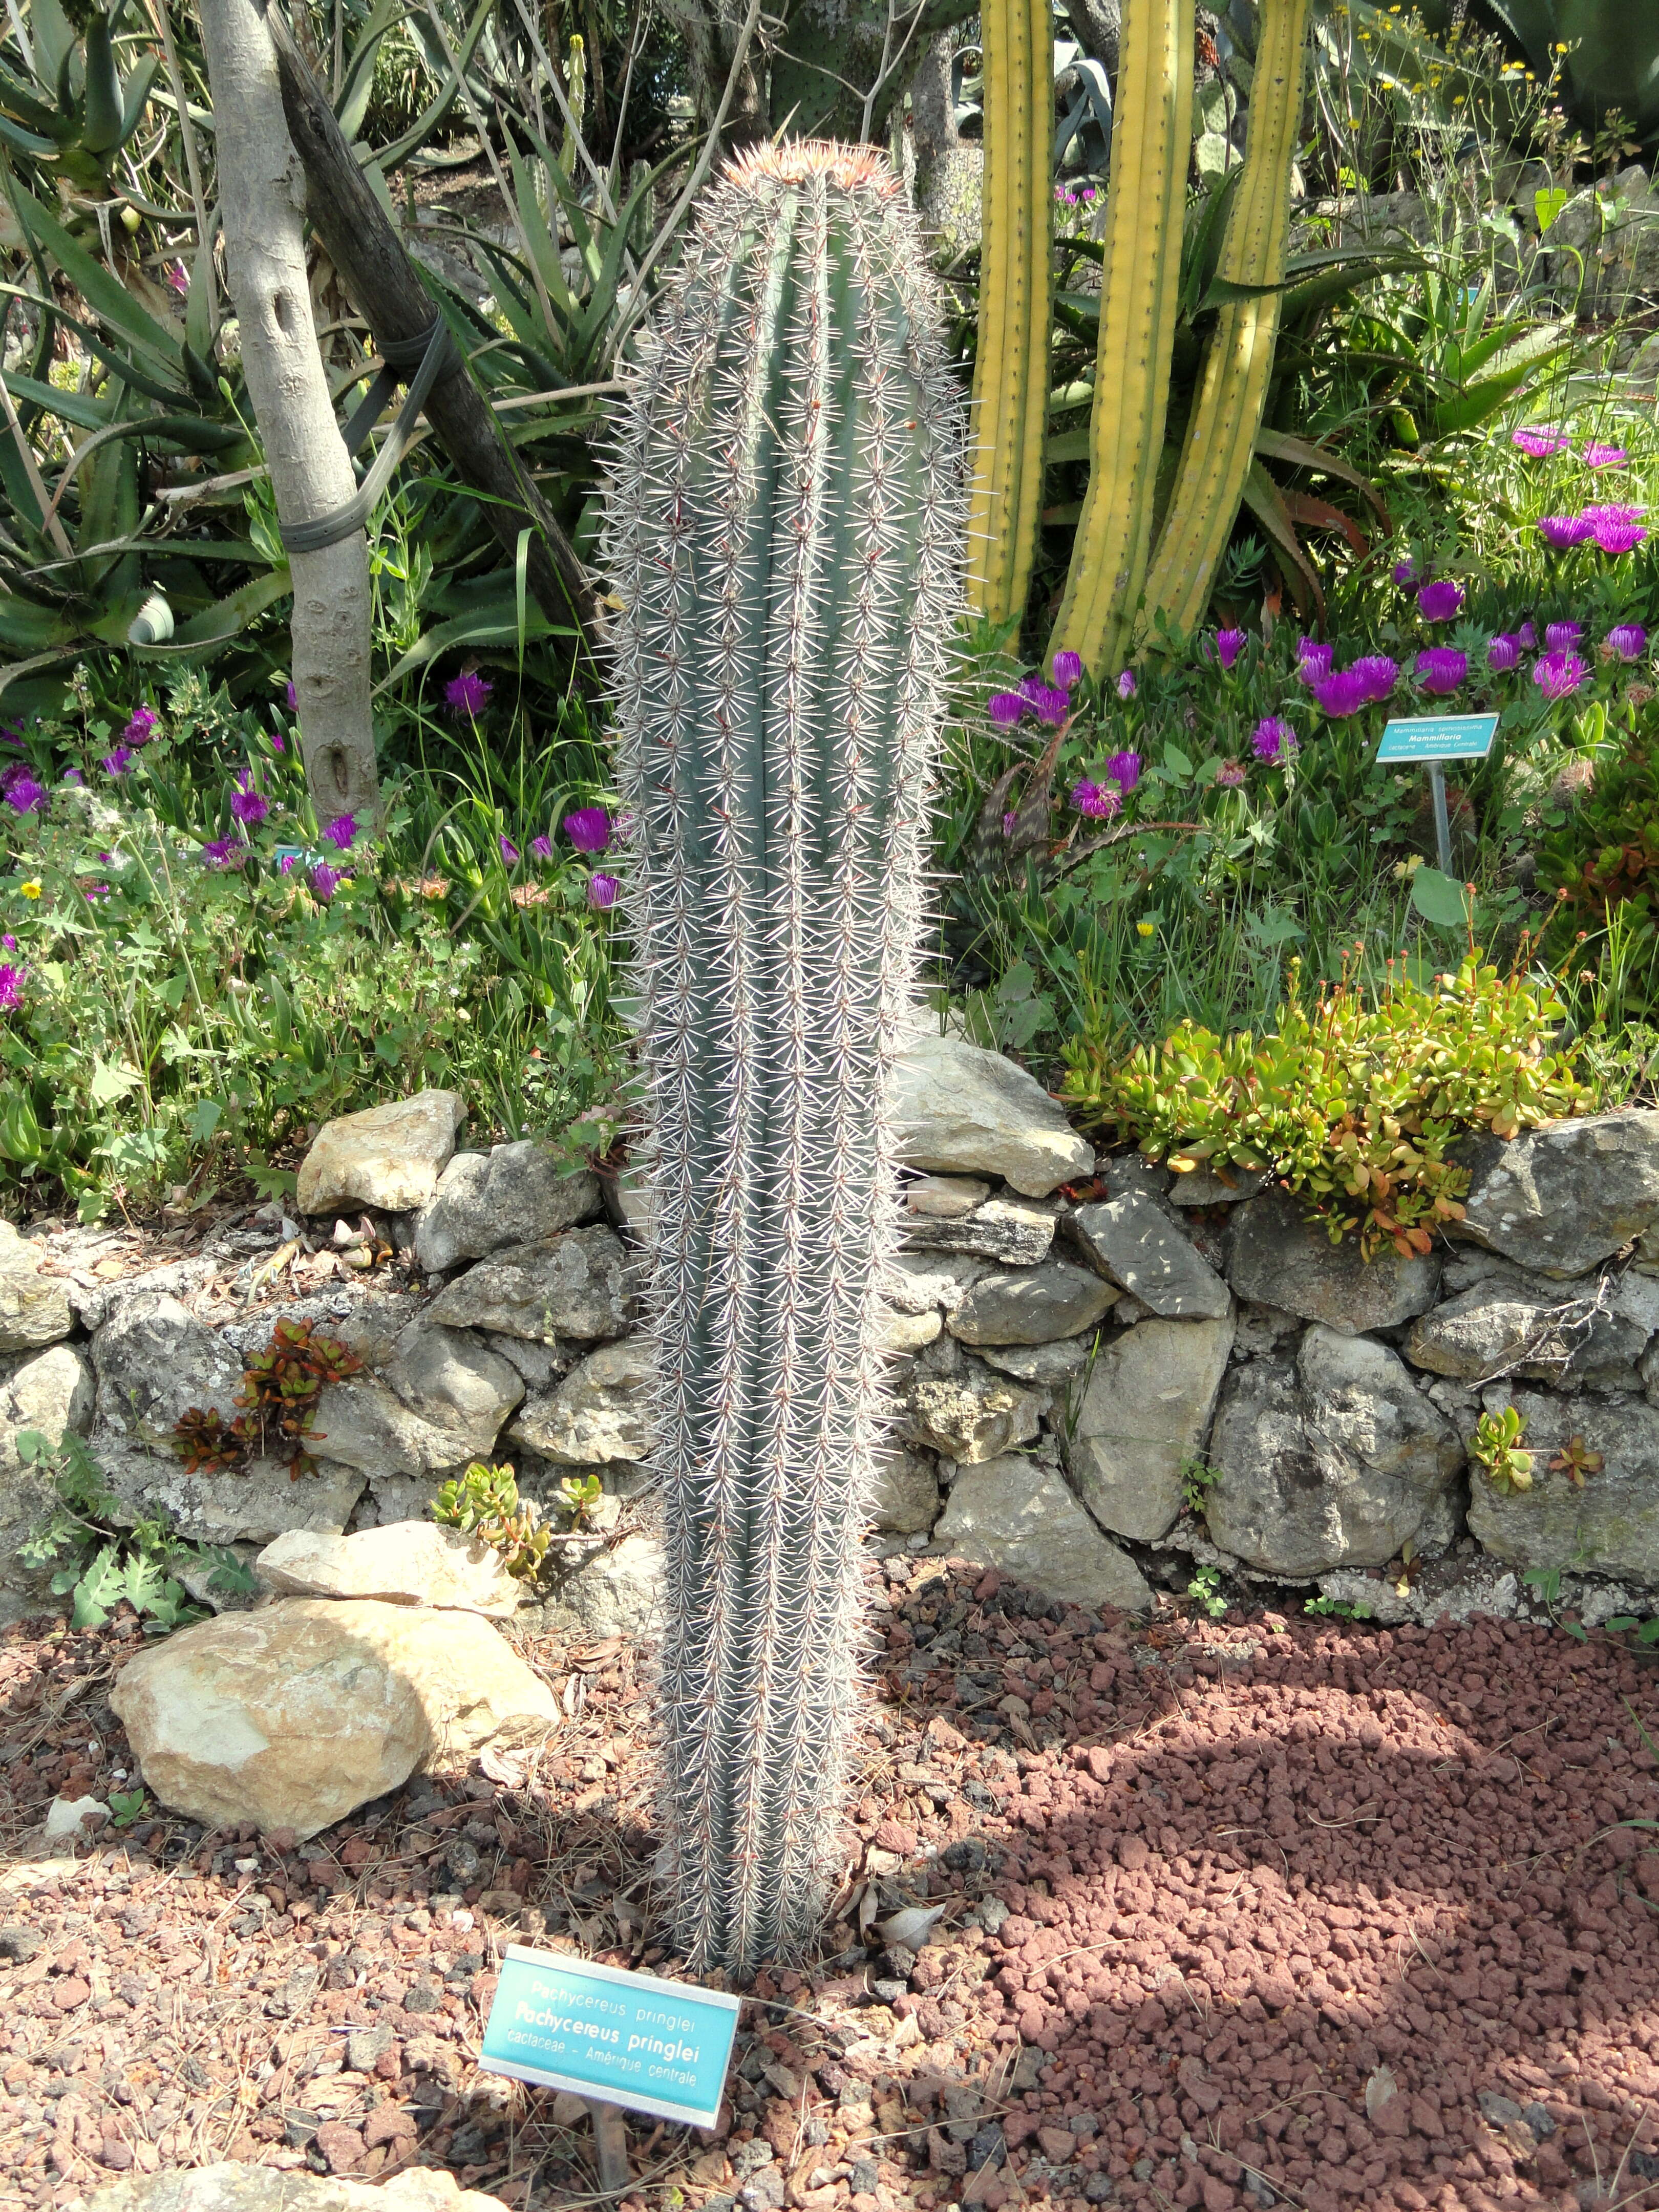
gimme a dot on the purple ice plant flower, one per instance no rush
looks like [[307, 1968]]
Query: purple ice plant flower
[[342, 831], [1441, 669], [11, 984], [247, 804], [1611, 511], [1562, 531], [542, 848], [1503, 653], [1617, 536], [1404, 572], [467, 693], [9, 942], [277, 743], [509, 850], [1127, 684], [292, 699], [602, 892], [1068, 669], [1043, 701], [1100, 801], [1273, 741], [1559, 675], [140, 727], [588, 829], [1124, 770], [1558, 636], [1004, 708], [1229, 644], [1598, 456], [1538, 445], [1439, 601], [1628, 640], [1380, 675], [24, 795], [1344, 692], [1313, 661], [326, 881], [118, 762], [224, 852], [1529, 635]]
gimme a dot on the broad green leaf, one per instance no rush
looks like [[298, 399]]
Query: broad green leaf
[[1439, 900]]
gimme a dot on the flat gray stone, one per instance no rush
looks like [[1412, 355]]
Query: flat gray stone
[[601, 1412], [1563, 1198], [1132, 1242], [1278, 1257], [1333, 1463], [389, 1158], [1018, 1231], [1609, 1526], [960, 1110], [573, 1285], [518, 1194], [944, 1198], [1037, 1305], [620, 1591], [1218, 1187], [1015, 1513], [34, 1309], [1543, 1329], [1049, 1366], [155, 1361], [1144, 1414], [441, 1402], [921, 1282], [906, 1500], [249, 1506]]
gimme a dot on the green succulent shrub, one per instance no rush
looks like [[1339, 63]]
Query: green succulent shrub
[[1496, 1447], [484, 1503], [278, 1398], [1354, 1102]]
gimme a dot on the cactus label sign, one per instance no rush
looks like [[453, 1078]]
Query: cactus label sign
[[1438, 738], [632, 2039]]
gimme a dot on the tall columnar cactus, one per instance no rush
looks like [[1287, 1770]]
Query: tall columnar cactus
[[1010, 368], [1221, 431], [1140, 284], [784, 535]]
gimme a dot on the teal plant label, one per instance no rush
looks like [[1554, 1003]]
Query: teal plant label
[[634, 2040], [1438, 737]]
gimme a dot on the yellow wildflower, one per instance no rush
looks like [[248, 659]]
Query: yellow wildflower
[[30, 890], [1146, 929]]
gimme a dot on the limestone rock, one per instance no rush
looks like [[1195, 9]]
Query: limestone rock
[[401, 1563], [962, 1110], [959, 1408], [918, 1282], [156, 1361], [895, 1331], [907, 1492], [1280, 1258], [1539, 1327], [1049, 1366], [601, 1411], [1132, 1242], [1145, 1412], [438, 1404], [944, 1197], [576, 1284], [1465, 1589], [294, 1715], [228, 2188], [1563, 1198], [1609, 1526], [1016, 1514], [34, 1309], [618, 1592], [518, 1193], [1038, 1305], [1333, 1463], [50, 1392], [250, 1505], [389, 1158], [1215, 1187], [1018, 1231]]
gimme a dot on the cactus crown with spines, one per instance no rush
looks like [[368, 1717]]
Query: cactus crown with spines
[[784, 536]]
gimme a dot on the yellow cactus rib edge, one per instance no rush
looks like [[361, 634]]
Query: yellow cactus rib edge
[[1140, 284], [1010, 370], [1221, 434]]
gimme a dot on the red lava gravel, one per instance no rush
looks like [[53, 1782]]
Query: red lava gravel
[[1268, 1911]]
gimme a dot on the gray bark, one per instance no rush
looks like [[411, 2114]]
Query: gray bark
[[933, 114], [261, 186], [1096, 25]]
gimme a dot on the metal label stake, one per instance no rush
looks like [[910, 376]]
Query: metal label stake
[[1427, 740]]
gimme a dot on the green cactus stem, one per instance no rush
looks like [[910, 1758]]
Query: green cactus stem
[[784, 536]]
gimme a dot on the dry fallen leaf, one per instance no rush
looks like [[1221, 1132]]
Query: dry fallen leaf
[[1380, 2086]]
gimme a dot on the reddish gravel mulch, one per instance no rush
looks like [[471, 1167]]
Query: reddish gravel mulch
[[1260, 1911]]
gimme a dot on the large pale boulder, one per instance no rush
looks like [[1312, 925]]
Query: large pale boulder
[[389, 1158], [440, 1401], [402, 1563], [1132, 1242], [1563, 1197], [601, 1412], [1143, 1415], [156, 1361], [1016, 1514], [294, 1714], [1037, 1305], [1278, 1257], [1333, 1463], [1608, 1524], [574, 1285], [34, 1309], [227, 2188], [518, 1194], [962, 1110]]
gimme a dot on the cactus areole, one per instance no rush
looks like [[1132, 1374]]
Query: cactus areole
[[784, 538]]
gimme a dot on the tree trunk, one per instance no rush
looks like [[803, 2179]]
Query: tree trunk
[[262, 188], [932, 114]]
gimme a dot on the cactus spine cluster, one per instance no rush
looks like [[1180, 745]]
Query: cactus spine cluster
[[1011, 366], [1140, 282], [784, 535], [1221, 432]]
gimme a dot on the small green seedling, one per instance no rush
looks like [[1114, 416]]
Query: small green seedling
[[1497, 1446]]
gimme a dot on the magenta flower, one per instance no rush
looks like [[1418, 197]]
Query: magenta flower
[[1529, 635], [1127, 685], [1540, 444], [1273, 741], [1047, 704], [588, 829], [23, 794], [1503, 653], [1558, 637], [326, 881], [1441, 669], [292, 699], [1559, 675], [11, 984], [1562, 531], [9, 942], [277, 743], [287, 863], [118, 762], [509, 850], [342, 831], [1229, 644], [1124, 769], [1440, 601], [1604, 511], [1617, 536], [141, 727], [1100, 801], [1342, 692], [1229, 775], [1605, 457], [542, 848], [247, 805], [467, 695], [1404, 572], [1628, 640], [1380, 673], [602, 892], [1005, 708], [179, 279], [1067, 669], [1313, 661], [224, 852]]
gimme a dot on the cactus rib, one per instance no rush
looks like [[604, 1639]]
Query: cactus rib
[[784, 530], [1140, 282], [1011, 365], [1221, 432]]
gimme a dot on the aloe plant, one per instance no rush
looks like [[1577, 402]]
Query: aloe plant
[[1010, 366], [784, 535], [76, 111]]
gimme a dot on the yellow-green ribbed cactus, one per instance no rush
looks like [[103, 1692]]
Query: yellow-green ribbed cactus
[[1010, 368], [1140, 284], [1221, 432]]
